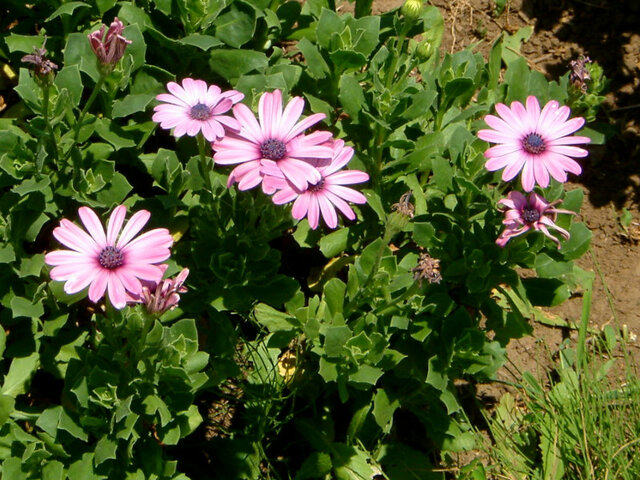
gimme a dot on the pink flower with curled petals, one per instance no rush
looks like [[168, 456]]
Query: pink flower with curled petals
[[196, 107], [158, 297], [535, 213], [325, 196], [276, 137], [109, 49], [538, 143], [114, 262]]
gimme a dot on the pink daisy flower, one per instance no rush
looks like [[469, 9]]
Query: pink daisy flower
[[276, 137], [322, 198], [195, 107], [538, 143], [522, 214], [114, 262]]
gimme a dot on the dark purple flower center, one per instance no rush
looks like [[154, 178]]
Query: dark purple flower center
[[273, 149], [111, 257], [533, 143], [200, 112], [317, 187], [530, 215]]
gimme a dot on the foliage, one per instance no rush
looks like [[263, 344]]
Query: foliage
[[338, 359]]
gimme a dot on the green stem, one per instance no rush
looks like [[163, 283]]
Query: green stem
[[409, 292], [203, 162], [76, 129], [45, 114], [388, 234], [581, 358]]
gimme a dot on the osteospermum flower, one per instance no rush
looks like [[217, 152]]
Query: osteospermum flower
[[277, 137], [322, 198], [158, 297], [109, 48], [195, 107], [115, 262], [538, 143], [535, 213]]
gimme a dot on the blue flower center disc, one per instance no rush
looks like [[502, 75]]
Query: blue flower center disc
[[530, 215], [111, 257], [533, 143], [273, 149], [200, 112]]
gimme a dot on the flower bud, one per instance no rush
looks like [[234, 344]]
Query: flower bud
[[424, 50], [411, 9], [109, 49]]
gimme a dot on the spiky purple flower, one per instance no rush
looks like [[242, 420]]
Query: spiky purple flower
[[534, 213]]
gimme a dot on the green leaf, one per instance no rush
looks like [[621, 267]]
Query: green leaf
[[19, 375], [22, 307], [334, 243], [334, 339], [316, 65], [232, 64], [7, 404], [366, 374], [510, 52], [383, 409], [78, 51], [69, 78], [116, 191], [105, 450], [316, 465], [351, 95], [273, 319], [23, 43], [53, 470], [333, 295], [7, 254], [66, 9], [236, 25], [442, 173], [203, 42], [579, 242], [131, 104]]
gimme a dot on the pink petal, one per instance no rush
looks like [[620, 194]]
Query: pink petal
[[72, 236], [133, 226], [249, 126], [115, 223], [299, 172], [99, 285], [540, 172], [343, 206], [62, 257], [527, 178], [313, 213], [128, 280], [328, 211], [303, 125], [517, 161], [290, 116], [116, 292], [270, 112], [347, 177], [158, 238], [568, 151], [301, 206], [93, 225], [144, 271], [348, 194], [80, 281]]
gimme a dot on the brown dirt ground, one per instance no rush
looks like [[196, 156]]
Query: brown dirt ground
[[564, 29]]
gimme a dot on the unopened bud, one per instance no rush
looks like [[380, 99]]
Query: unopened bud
[[411, 9], [424, 50]]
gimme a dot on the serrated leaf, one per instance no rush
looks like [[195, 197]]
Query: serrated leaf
[[131, 104], [19, 375]]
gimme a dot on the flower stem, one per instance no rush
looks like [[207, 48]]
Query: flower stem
[[203, 162], [76, 129], [45, 114]]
